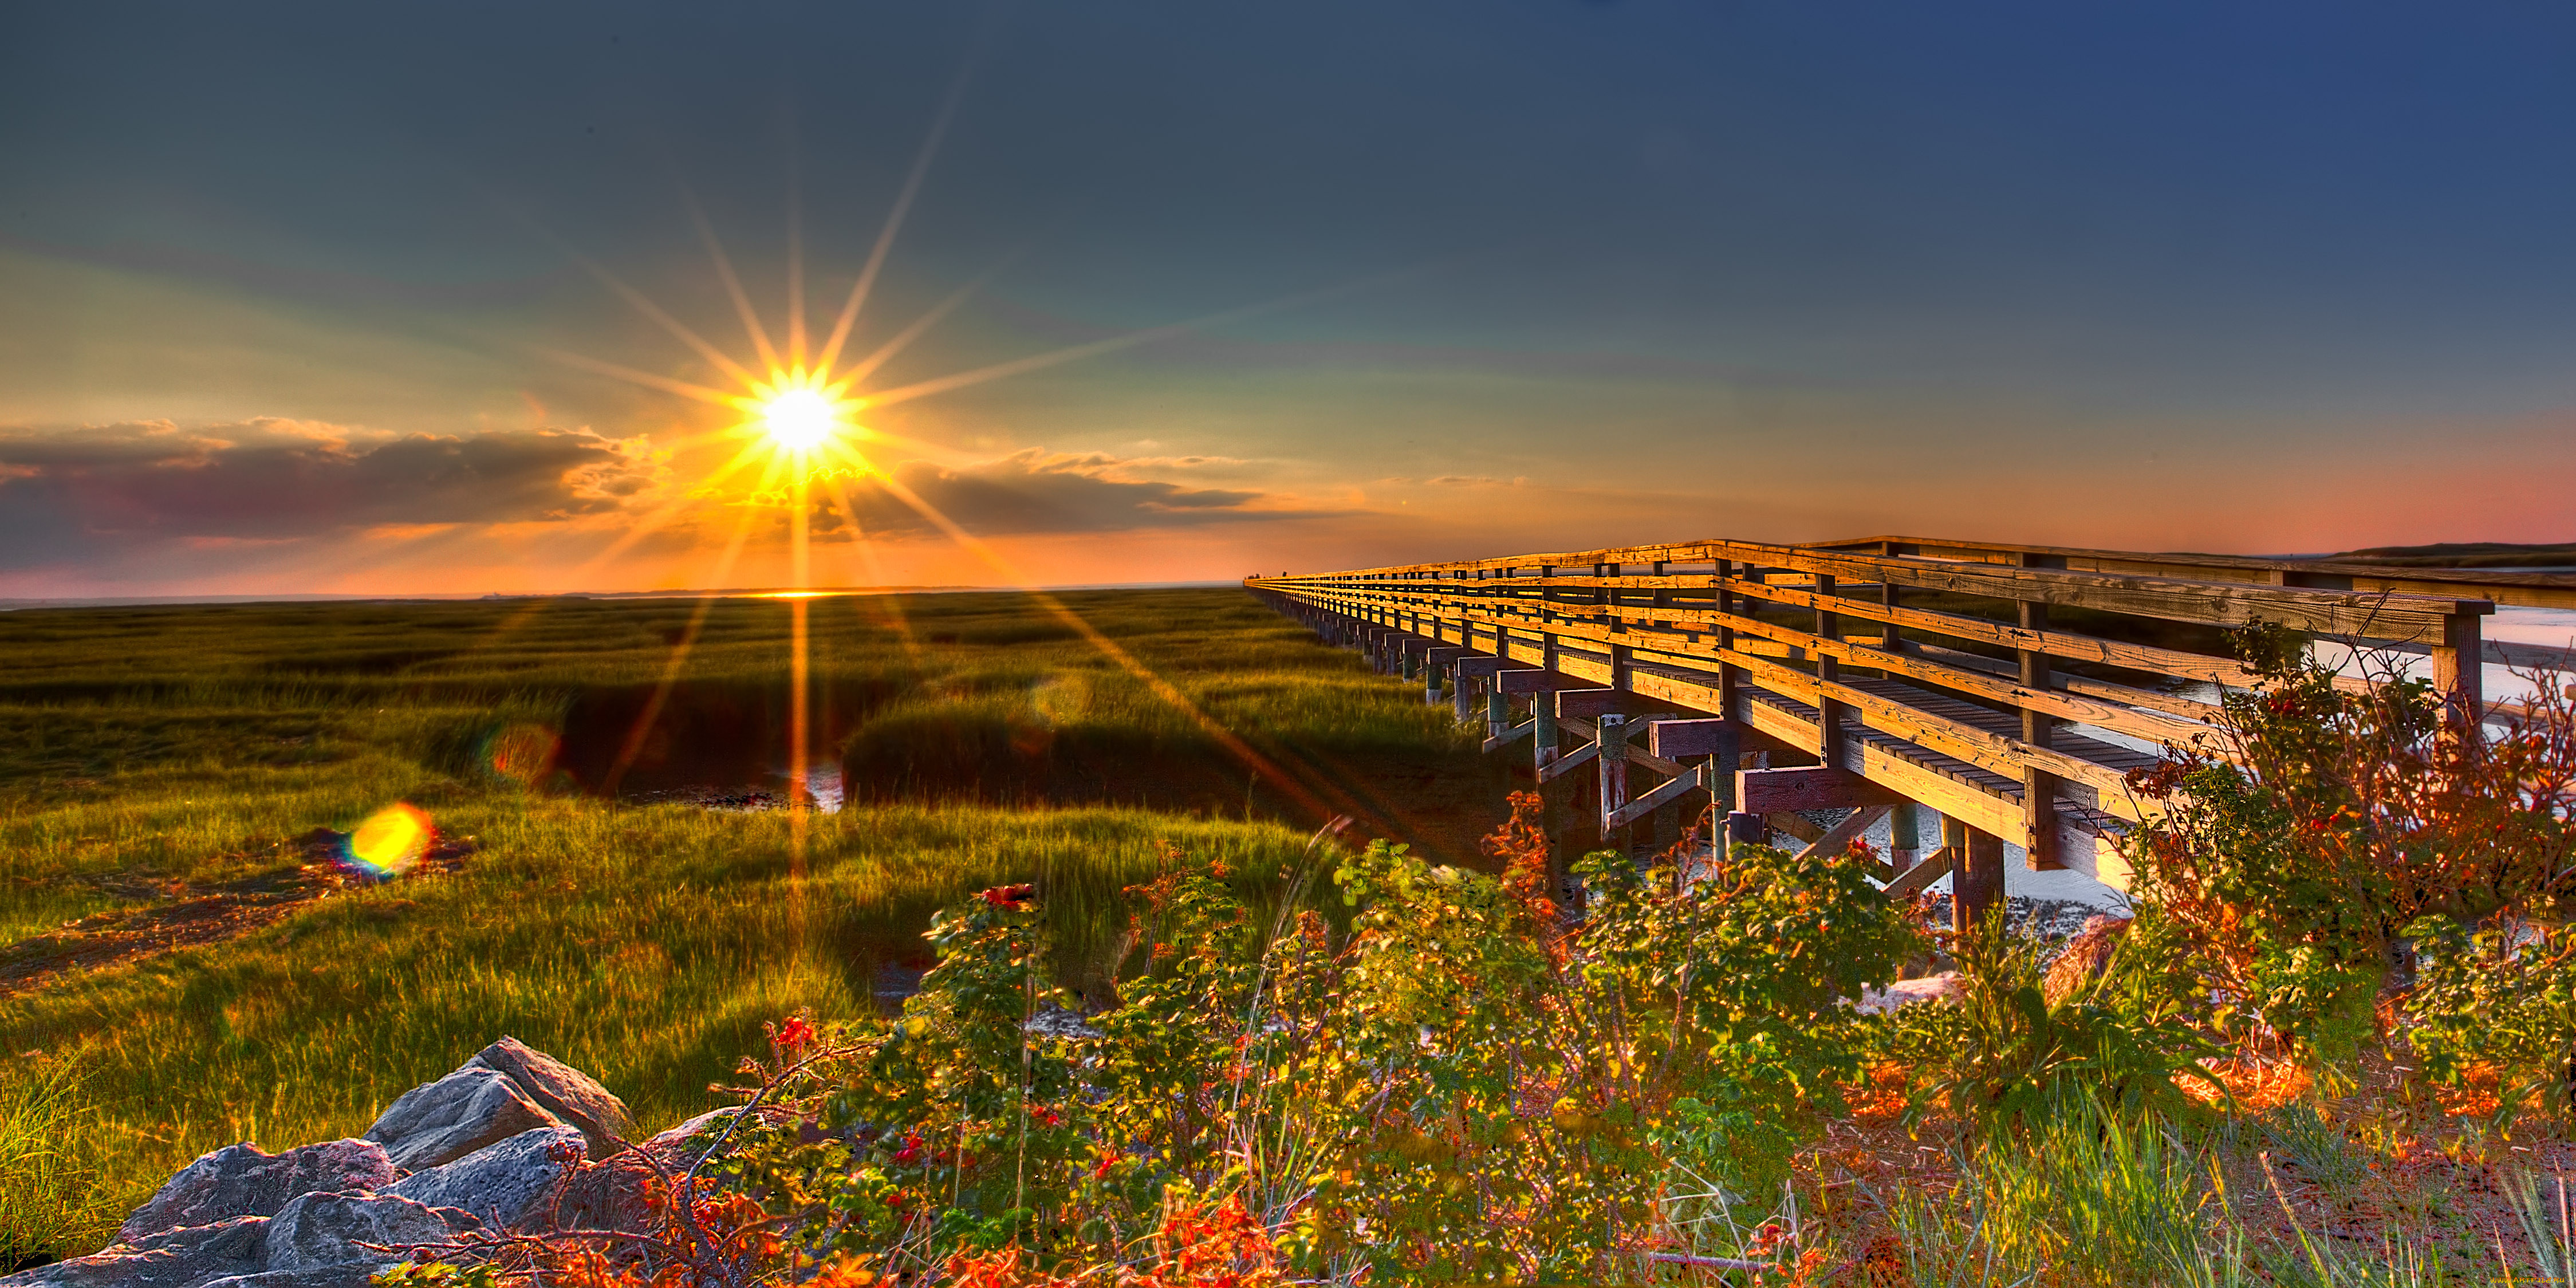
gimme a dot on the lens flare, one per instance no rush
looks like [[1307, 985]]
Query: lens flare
[[391, 842]]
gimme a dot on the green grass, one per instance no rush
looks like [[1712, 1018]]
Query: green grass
[[146, 753]]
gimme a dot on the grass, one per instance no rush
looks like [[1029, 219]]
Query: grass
[[152, 754]]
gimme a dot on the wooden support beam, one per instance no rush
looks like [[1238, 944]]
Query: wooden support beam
[[1682, 739], [1479, 666], [1533, 680], [1557, 767], [1746, 829], [1612, 743], [1777, 791], [1796, 825], [1671, 790], [1977, 880], [1839, 837], [1913, 880], [1579, 704]]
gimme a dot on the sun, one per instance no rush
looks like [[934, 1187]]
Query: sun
[[800, 419]]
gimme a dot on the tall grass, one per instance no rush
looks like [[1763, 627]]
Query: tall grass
[[47, 1189]]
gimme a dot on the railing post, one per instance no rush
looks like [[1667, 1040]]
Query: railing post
[[2038, 787], [1728, 674], [1829, 712], [2459, 672]]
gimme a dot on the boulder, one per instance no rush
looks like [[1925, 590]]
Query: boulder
[[1943, 987], [614, 1193], [572, 1096], [440, 1122], [348, 1274], [505, 1184], [319, 1231], [184, 1257], [244, 1180], [2085, 956]]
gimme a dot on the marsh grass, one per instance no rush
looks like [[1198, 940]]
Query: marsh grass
[[45, 1190], [150, 753]]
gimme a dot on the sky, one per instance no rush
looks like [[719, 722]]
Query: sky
[[370, 299]]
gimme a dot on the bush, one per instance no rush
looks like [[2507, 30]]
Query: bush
[[2006, 1051], [1460, 1087], [2325, 819]]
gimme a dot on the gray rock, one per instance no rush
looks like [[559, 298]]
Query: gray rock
[[244, 1180], [180, 1258], [702, 1130], [317, 1231], [352, 1274], [440, 1122], [505, 1184], [569, 1094]]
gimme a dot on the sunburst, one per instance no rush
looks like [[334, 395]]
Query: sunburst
[[800, 422], [800, 413]]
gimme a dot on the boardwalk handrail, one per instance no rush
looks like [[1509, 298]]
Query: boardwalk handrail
[[2015, 726]]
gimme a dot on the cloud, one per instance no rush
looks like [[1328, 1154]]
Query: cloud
[[271, 480], [1038, 491]]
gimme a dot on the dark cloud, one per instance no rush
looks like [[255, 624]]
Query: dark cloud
[[276, 479], [1037, 491]]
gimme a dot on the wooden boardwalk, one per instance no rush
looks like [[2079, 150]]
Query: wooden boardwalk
[[1884, 674]]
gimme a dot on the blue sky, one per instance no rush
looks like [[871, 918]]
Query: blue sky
[[2243, 277]]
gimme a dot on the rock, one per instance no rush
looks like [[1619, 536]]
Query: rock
[[350, 1274], [614, 1193], [244, 1180], [2085, 957], [184, 1257], [442, 1121], [317, 1231], [572, 1096], [1943, 987], [505, 1184]]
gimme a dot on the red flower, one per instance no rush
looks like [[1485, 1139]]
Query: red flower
[[1008, 896], [794, 1033], [911, 1151], [1107, 1161]]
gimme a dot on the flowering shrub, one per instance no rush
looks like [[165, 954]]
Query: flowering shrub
[[2325, 819], [1461, 1087]]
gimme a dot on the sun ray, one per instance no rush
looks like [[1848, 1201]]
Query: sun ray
[[733, 285], [653, 522], [901, 340], [677, 328], [888, 610], [1111, 344], [1234, 745], [795, 256], [634, 744], [646, 378], [850, 308]]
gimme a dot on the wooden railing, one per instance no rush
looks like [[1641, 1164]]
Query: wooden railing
[[2009, 688]]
